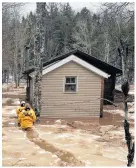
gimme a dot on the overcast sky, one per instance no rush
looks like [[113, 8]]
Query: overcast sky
[[77, 6]]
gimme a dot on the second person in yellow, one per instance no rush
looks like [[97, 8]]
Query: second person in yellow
[[19, 110], [27, 118]]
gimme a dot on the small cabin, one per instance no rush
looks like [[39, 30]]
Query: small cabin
[[74, 85]]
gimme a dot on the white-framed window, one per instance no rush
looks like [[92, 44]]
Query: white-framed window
[[70, 85]]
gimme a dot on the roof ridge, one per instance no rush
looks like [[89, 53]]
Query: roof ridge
[[77, 50], [82, 53]]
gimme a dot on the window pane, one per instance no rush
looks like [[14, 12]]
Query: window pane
[[70, 88], [73, 80], [67, 80], [73, 87]]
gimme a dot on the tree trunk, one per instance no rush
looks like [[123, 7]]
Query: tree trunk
[[124, 69], [15, 64], [17, 79], [107, 48], [7, 77], [65, 38], [123, 53], [4, 73], [38, 51], [2, 77]]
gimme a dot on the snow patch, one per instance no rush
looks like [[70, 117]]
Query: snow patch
[[131, 116], [121, 113], [63, 136], [36, 147], [87, 163], [45, 133], [42, 125], [51, 126], [54, 156], [79, 122], [132, 131], [41, 152], [68, 145], [22, 158], [63, 126], [57, 160], [58, 121], [10, 130], [13, 131], [11, 123], [132, 92], [12, 112], [21, 138], [17, 102]]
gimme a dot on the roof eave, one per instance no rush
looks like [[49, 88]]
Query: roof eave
[[76, 60], [118, 71]]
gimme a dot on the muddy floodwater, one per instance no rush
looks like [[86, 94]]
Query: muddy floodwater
[[92, 142]]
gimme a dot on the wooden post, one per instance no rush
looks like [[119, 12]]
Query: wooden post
[[126, 108]]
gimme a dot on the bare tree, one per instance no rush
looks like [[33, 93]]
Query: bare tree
[[85, 38], [38, 51], [12, 52], [122, 17]]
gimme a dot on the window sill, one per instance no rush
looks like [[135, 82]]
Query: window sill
[[70, 92]]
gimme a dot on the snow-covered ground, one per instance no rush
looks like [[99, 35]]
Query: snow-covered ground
[[131, 91]]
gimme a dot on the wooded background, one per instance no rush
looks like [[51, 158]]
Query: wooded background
[[107, 34]]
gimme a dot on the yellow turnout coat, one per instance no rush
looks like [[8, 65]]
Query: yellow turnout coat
[[19, 112], [19, 109], [27, 118]]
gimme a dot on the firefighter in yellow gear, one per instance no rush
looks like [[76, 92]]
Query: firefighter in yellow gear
[[19, 110], [32, 111], [27, 118]]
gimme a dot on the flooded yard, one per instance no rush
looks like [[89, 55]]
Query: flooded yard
[[92, 142]]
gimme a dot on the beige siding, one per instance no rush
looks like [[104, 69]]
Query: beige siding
[[56, 103]]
